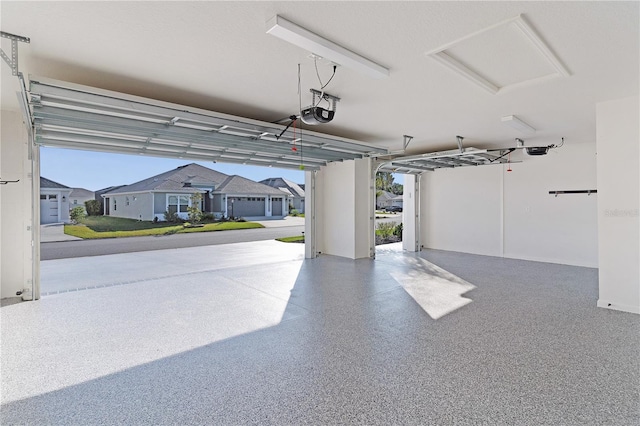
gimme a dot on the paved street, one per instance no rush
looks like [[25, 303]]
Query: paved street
[[81, 248], [389, 218], [56, 245]]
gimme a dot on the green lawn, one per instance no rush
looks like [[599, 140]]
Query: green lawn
[[92, 227], [298, 239]]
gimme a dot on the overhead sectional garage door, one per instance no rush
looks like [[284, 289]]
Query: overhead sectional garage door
[[48, 208], [246, 206], [80, 117], [276, 206]]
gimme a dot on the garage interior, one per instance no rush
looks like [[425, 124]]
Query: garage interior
[[516, 296]]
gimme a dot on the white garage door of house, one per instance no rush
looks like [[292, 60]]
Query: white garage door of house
[[48, 208]]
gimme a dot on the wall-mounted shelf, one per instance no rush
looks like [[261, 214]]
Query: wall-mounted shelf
[[4, 182], [578, 191]]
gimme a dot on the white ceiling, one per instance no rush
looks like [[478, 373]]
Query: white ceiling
[[217, 56]]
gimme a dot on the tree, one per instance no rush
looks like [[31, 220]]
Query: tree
[[93, 207], [195, 214], [397, 189], [384, 181]]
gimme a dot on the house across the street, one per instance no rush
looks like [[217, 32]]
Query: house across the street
[[172, 192], [78, 197], [292, 189], [386, 199], [54, 201]]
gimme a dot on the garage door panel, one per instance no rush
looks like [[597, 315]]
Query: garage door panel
[[71, 115], [247, 207]]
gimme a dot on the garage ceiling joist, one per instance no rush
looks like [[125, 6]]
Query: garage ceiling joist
[[79, 117]]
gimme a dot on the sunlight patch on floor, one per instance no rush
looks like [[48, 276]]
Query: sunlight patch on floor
[[437, 291], [67, 339]]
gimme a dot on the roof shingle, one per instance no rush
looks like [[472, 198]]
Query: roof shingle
[[179, 179]]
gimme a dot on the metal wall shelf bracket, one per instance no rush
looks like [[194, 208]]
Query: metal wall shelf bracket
[[13, 60], [580, 191], [4, 182]]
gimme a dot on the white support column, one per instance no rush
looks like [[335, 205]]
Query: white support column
[[311, 216], [618, 162], [343, 208], [35, 223], [411, 213], [363, 212], [372, 219], [267, 206]]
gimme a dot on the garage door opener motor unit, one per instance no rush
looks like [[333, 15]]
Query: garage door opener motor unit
[[315, 114]]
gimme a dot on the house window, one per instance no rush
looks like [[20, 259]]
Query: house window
[[43, 196], [115, 205], [75, 201], [53, 197], [126, 199], [177, 203]]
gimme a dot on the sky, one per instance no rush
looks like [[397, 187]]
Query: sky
[[96, 170]]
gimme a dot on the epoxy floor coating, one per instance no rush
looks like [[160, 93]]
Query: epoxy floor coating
[[252, 333]]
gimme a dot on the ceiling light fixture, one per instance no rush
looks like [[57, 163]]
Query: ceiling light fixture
[[319, 46], [517, 124]]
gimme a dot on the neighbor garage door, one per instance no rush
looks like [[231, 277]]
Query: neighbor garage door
[[247, 206], [276, 206]]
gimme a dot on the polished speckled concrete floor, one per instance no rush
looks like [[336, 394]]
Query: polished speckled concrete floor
[[207, 337]]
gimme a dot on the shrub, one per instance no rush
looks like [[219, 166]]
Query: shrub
[[207, 217], [385, 230], [397, 231], [294, 212], [172, 217], [77, 213], [93, 207]]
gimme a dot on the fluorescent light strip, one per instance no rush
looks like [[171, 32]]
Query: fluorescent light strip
[[517, 124], [301, 37]]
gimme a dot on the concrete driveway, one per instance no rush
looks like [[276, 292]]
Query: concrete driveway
[[55, 232]]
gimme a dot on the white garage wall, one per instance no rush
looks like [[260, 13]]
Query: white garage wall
[[487, 210], [461, 210], [543, 227], [618, 140], [15, 201]]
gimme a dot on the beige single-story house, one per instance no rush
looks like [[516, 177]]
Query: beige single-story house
[[172, 192]]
